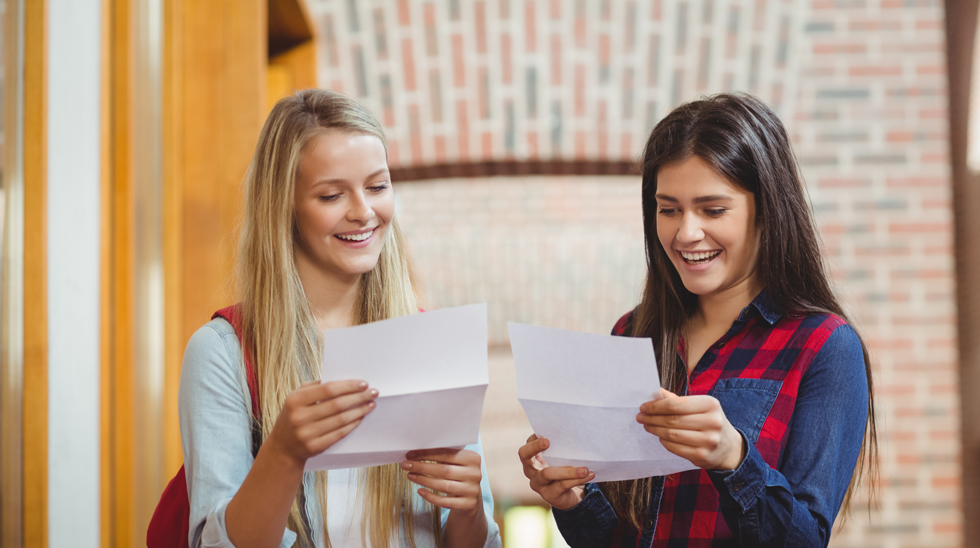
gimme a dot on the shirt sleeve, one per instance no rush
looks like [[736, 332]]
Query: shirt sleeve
[[215, 430], [796, 505], [493, 531], [589, 523]]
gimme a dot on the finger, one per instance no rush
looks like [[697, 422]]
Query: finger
[[689, 438], [697, 421], [311, 393], [337, 421], [558, 473], [450, 503], [533, 447], [444, 471], [679, 405], [449, 487], [557, 488], [334, 406], [531, 438], [324, 442]]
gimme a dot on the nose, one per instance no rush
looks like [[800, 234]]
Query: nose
[[690, 230], [360, 210]]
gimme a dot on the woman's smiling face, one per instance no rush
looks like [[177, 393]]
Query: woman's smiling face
[[344, 203], [707, 227]]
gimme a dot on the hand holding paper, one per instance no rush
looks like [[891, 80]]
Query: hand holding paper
[[582, 392], [430, 371]]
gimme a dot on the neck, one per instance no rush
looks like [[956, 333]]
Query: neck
[[333, 298], [723, 308]]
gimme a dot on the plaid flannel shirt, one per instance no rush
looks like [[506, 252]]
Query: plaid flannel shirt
[[795, 388]]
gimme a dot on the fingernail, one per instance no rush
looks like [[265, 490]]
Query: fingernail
[[362, 384], [591, 474], [374, 392], [407, 465], [371, 404], [582, 472]]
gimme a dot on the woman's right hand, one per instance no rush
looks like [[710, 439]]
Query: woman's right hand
[[559, 486], [317, 415]]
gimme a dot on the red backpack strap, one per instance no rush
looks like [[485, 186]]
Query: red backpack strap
[[233, 315]]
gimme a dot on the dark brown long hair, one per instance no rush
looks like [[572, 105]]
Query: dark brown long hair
[[744, 141]]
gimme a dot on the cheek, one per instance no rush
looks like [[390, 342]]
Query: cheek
[[665, 234]]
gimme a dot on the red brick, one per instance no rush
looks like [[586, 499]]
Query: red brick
[[555, 60], [487, 139], [945, 482], [833, 48], [916, 182], [920, 228], [927, 70], [530, 30], [459, 67], [532, 145], [440, 146], [875, 70], [480, 16], [404, 18], [462, 123], [555, 11], [408, 64]]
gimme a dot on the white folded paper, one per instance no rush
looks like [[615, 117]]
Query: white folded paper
[[430, 371], [583, 392]]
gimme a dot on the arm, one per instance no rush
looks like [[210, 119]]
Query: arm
[[228, 491], [797, 505]]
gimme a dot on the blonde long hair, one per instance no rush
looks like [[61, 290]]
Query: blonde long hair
[[278, 326]]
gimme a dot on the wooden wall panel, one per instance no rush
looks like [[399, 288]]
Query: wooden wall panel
[[35, 277], [222, 65]]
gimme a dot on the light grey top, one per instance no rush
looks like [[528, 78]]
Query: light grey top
[[215, 428]]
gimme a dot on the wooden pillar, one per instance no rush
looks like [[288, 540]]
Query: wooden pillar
[[961, 31]]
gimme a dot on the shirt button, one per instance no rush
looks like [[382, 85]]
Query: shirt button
[[737, 487]]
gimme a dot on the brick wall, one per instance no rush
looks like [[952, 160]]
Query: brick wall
[[861, 86]]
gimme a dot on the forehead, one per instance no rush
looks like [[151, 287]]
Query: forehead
[[340, 154], [693, 177]]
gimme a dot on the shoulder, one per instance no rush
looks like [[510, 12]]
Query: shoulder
[[624, 324], [213, 354], [835, 346]]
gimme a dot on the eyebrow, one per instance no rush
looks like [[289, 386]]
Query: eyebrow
[[698, 200], [340, 181]]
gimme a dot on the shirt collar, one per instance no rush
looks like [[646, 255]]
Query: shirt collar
[[764, 306]]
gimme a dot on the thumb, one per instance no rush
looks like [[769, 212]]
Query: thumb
[[664, 394]]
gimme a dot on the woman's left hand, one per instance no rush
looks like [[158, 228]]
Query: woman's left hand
[[453, 473], [694, 427]]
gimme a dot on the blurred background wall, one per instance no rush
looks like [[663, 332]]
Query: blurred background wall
[[514, 127]]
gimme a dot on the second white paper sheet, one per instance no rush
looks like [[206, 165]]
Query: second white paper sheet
[[583, 391], [430, 371]]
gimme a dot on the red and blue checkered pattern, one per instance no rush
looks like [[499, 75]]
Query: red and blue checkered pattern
[[689, 515]]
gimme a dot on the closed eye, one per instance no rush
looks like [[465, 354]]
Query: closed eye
[[715, 212], [667, 211], [378, 188], [328, 198]]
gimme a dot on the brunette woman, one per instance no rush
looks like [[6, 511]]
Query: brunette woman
[[768, 388], [320, 249]]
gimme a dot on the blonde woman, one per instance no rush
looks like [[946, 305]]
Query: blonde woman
[[320, 249]]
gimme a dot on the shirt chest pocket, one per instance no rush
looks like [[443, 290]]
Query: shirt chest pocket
[[747, 403]]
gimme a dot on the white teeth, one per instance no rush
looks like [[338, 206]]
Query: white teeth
[[356, 237], [699, 256]]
